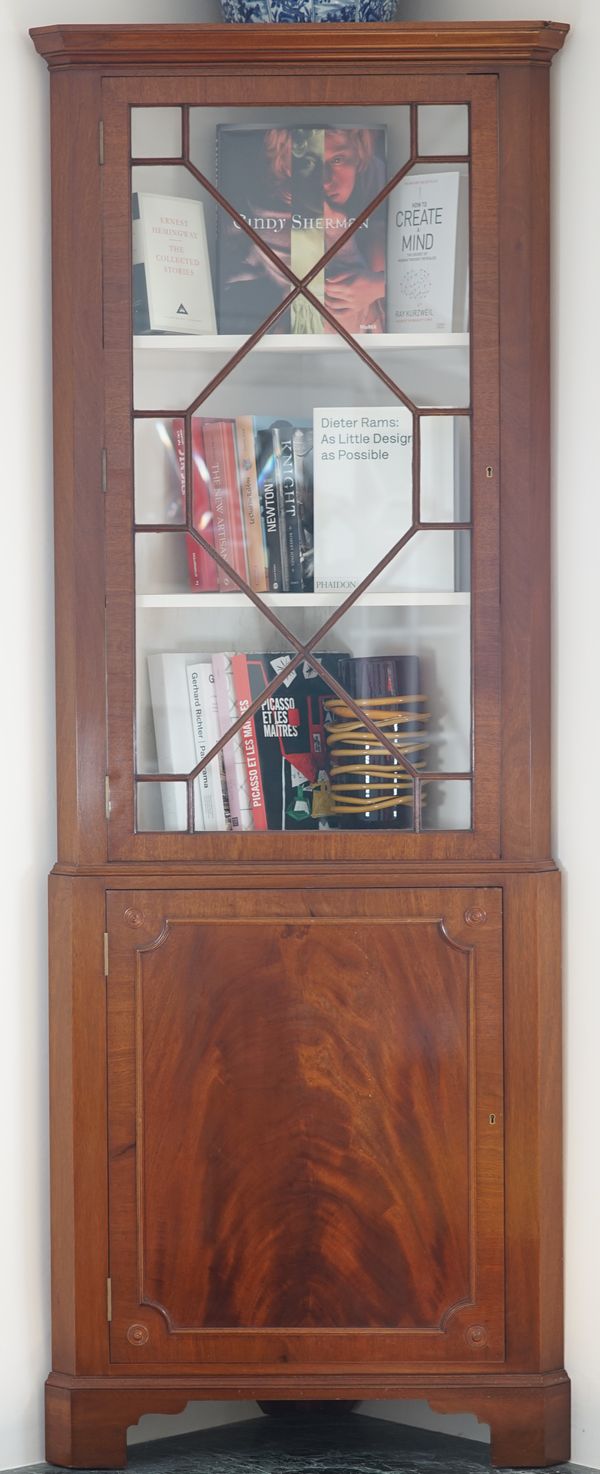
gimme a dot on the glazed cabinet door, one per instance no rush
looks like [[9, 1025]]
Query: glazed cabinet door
[[302, 491], [305, 1127]]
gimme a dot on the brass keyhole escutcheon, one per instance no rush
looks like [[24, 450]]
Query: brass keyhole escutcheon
[[489, 471], [492, 1118]]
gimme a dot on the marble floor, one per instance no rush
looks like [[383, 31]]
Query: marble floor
[[354, 1444]]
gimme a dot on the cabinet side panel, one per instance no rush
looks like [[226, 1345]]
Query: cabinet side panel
[[534, 1255], [78, 440], [525, 525], [78, 1126]]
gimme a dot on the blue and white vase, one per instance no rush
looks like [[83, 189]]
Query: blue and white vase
[[308, 10]]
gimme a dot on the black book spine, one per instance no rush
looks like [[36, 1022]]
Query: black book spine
[[269, 511], [366, 678], [283, 433], [303, 472]]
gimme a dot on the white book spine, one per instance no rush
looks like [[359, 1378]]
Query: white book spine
[[175, 746], [233, 752], [203, 706]]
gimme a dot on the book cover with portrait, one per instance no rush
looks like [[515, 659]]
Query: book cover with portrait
[[299, 189]]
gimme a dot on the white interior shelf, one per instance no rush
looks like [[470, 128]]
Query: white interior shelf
[[294, 342], [383, 600], [287, 373]]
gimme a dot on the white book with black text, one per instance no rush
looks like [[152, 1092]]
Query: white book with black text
[[172, 284], [423, 293], [175, 746], [205, 724]]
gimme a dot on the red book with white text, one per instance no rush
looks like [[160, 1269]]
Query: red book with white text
[[221, 462], [202, 569], [244, 698]]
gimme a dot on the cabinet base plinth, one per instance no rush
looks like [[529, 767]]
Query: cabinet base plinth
[[530, 1426], [87, 1418]]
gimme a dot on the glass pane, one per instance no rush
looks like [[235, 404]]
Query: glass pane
[[174, 631], [299, 178], [156, 132], [161, 806], [445, 468], [297, 468], [445, 805], [444, 130], [428, 250], [159, 465]]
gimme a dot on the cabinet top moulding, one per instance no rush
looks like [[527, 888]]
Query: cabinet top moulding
[[391, 45]]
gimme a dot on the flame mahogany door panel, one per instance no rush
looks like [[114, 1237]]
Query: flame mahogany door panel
[[305, 1127]]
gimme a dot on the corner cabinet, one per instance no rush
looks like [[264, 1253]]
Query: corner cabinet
[[305, 994]]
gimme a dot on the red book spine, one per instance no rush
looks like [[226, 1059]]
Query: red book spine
[[243, 696], [237, 540], [202, 569], [221, 459]]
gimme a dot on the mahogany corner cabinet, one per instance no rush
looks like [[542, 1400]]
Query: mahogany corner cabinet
[[305, 993]]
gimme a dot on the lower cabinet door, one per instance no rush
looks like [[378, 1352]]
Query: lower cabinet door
[[305, 1127]]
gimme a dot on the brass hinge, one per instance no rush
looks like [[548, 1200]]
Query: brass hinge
[[107, 803], [106, 954], [109, 1299], [103, 469], [101, 142]]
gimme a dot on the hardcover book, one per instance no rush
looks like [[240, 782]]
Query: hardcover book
[[209, 784], [250, 503], [234, 758], [423, 294], [363, 468], [172, 285], [369, 788], [284, 742], [284, 460], [222, 469], [175, 747], [299, 189], [202, 569]]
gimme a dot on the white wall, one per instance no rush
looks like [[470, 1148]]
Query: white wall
[[27, 728], [576, 530]]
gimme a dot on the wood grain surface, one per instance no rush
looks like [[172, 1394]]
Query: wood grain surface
[[300, 1097], [448, 44]]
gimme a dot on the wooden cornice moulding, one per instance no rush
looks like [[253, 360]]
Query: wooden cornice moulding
[[262, 46]]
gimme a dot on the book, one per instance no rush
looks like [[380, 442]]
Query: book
[[299, 189], [302, 441], [202, 569], [269, 509], [285, 488], [222, 469], [422, 295], [175, 746], [208, 785], [234, 760], [250, 503], [285, 741], [172, 284], [369, 788], [285, 473], [363, 469]]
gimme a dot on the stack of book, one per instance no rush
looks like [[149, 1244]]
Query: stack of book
[[252, 500], [294, 763]]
